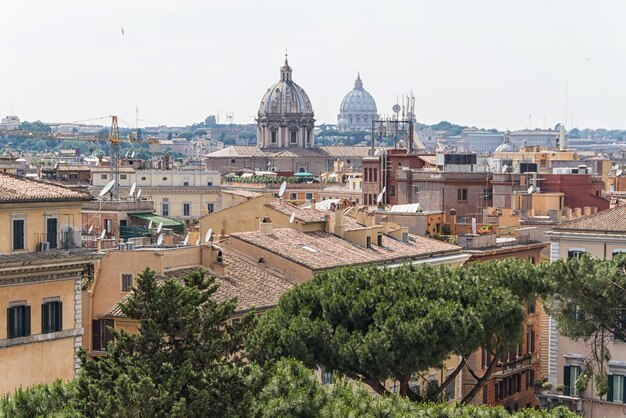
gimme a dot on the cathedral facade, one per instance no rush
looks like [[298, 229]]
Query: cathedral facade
[[358, 109]]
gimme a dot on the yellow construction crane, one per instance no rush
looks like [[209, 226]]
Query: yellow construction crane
[[113, 139]]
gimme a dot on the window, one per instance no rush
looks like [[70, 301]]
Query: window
[[368, 242], [143, 179], [164, 178], [450, 390], [308, 196], [232, 161], [18, 321], [18, 234], [379, 240], [530, 340], [392, 190], [488, 194], [127, 282], [617, 388], [210, 207], [327, 376], [51, 316], [108, 225], [273, 137], [484, 358], [122, 176], [73, 176], [186, 209], [461, 194], [185, 183], [293, 137], [103, 176], [416, 190], [530, 307], [375, 175], [293, 196], [101, 335], [210, 184], [165, 209], [570, 375], [575, 253], [530, 378]]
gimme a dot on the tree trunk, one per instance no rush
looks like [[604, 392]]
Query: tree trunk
[[481, 382], [404, 387], [452, 376], [373, 383]]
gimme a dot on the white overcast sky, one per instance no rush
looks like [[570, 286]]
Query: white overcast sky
[[482, 63]]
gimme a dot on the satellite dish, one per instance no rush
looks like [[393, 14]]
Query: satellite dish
[[618, 172], [127, 151], [150, 224], [396, 108], [282, 189], [379, 198], [531, 189], [104, 231], [269, 164], [292, 218], [186, 240], [377, 152], [159, 227], [207, 237], [384, 189], [90, 229], [160, 239], [138, 194], [132, 189], [107, 188], [132, 155], [504, 168]]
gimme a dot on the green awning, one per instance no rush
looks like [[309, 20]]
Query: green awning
[[303, 174], [156, 219]]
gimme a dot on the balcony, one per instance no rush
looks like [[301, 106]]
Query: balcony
[[549, 400], [47, 241]]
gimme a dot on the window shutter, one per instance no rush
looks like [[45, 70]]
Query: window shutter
[[26, 311], [566, 380], [609, 394], [44, 318], [623, 389], [59, 317], [95, 334], [10, 322]]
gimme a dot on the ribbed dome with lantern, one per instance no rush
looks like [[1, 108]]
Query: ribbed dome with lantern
[[285, 115], [357, 110]]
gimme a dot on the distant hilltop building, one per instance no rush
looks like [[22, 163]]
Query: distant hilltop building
[[285, 115], [358, 109], [10, 123]]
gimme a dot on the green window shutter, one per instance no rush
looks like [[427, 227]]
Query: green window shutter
[[26, 311], [10, 322], [95, 334], [609, 394], [44, 318], [566, 380], [59, 317]]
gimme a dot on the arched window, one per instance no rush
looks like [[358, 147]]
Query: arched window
[[293, 138]]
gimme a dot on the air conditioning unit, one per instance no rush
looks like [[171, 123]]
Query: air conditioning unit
[[130, 245], [122, 246], [43, 246]]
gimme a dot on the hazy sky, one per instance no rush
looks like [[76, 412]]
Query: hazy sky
[[482, 63]]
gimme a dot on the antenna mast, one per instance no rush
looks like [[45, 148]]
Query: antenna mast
[[114, 140]]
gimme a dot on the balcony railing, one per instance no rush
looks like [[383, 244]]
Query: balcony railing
[[47, 241]]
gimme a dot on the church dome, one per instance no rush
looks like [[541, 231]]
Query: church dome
[[358, 100], [504, 147], [285, 97]]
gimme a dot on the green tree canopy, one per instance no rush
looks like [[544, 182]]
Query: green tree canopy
[[589, 303], [376, 323], [182, 363]]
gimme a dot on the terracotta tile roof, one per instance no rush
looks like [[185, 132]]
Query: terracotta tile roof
[[308, 215], [73, 167], [253, 286], [346, 151], [14, 189], [610, 220], [101, 169], [322, 250], [243, 193], [237, 151]]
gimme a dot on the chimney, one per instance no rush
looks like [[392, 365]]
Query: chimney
[[567, 212], [218, 265], [266, 227], [577, 212], [313, 205], [339, 227], [587, 210], [452, 221]]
